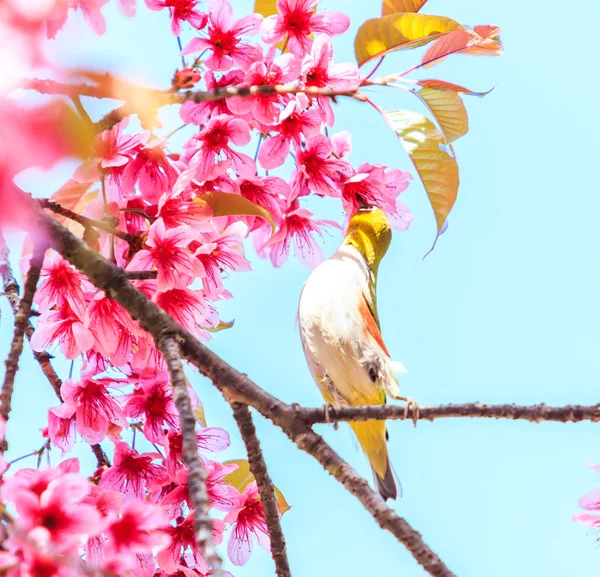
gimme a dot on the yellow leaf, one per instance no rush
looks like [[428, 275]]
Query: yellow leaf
[[265, 7], [227, 204], [426, 146], [378, 36], [448, 109], [242, 477], [200, 415], [393, 6]]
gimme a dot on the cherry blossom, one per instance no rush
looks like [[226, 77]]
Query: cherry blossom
[[297, 20], [181, 11], [249, 525], [224, 38]]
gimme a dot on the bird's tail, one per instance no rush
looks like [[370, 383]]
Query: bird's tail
[[371, 437]]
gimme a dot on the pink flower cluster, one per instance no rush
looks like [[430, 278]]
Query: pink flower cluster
[[136, 516]]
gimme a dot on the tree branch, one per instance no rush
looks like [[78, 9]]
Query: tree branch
[[258, 468], [533, 413], [87, 222], [236, 386], [196, 474], [11, 288], [21, 322], [159, 98]]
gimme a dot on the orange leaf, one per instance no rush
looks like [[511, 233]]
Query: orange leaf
[[442, 85], [75, 196], [379, 36], [265, 7], [466, 42], [242, 477], [448, 109], [427, 149], [393, 6]]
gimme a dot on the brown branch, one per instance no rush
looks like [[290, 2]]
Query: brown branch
[[533, 413], [21, 322], [57, 208], [11, 287], [159, 98], [196, 474], [236, 386], [258, 468], [140, 274]]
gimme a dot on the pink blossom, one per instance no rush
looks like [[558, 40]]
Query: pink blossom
[[181, 11], [183, 536], [272, 71], [587, 519], [151, 170], [299, 226], [221, 251], [342, 143], [131, 472], [138, 529], [199, 113], [112, 328], [375, 186], [189, 308], [95, 407], [65, 327], [205, 147], [224, 38], [175, 210], [64, 286], [293, 124], [298, 19], [53, 509], [127, 7], [318, 170], [91, 10], [222, 496], [153, 402], [318, 70], [61, 427], [112, 151], [249, 524], [268, 192], [167, 251], [209, 439]]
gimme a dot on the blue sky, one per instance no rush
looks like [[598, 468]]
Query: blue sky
[[504, 310]]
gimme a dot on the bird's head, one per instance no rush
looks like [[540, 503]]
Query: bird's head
[[370, 233]]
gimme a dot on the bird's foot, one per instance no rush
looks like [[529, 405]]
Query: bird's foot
[[412, 407], [329, 410]]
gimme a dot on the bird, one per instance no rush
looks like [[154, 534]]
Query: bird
[[341, 336]]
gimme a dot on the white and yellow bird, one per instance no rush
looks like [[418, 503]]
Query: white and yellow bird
[[341, 336]]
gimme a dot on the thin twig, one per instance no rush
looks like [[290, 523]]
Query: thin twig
[[11, 288], [266, 488], [196, 473], [87, 222], [236, 386], [21, 322], [533, 413]]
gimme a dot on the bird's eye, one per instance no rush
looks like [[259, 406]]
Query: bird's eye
[[373, 373]]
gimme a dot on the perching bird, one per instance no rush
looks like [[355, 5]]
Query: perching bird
[[341, 336]]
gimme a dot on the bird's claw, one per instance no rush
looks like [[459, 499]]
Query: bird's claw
[[412, 408], [329, 410]]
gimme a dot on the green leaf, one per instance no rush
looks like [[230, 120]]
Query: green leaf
[[379, 36], [227, 204], [426, 145], [223, 325], [242, 477]]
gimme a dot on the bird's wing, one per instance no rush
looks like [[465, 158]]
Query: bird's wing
[[374, 354]]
